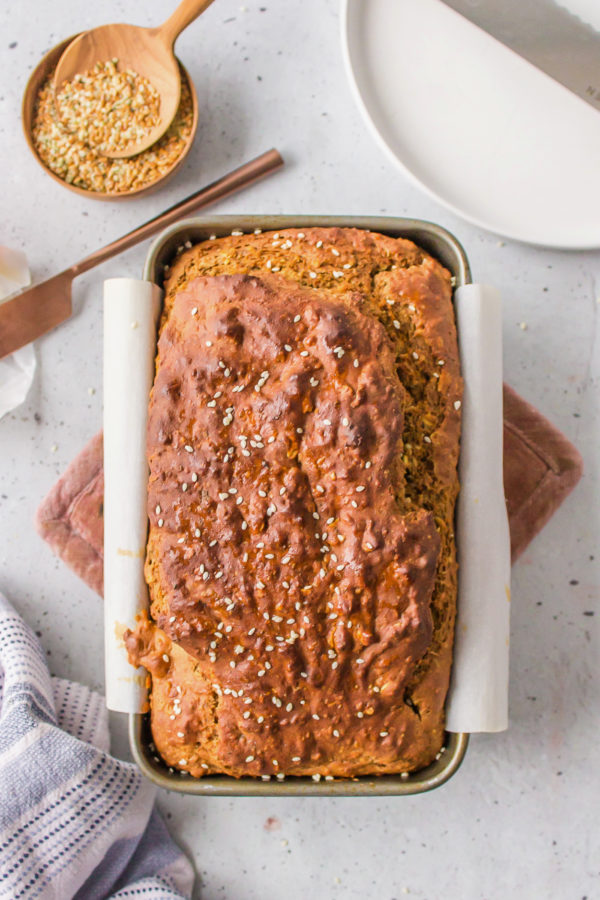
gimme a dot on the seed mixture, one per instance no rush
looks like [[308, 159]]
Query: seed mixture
[[108, 109], [69, 157]]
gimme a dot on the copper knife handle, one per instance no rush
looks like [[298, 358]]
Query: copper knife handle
[[241, 177], [43, 306]]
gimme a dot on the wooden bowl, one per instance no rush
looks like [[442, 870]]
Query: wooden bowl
[[37, 78]]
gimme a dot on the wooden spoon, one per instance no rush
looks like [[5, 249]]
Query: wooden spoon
[[147, 51]]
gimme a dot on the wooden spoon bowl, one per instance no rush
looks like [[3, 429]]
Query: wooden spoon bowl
[[39, 75], [133, 48]]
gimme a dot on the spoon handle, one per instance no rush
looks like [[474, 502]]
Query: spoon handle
[[184, 15]]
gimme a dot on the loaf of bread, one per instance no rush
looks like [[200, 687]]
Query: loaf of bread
[[303, 442]]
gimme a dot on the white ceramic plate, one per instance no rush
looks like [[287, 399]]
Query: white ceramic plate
[[479, 128]]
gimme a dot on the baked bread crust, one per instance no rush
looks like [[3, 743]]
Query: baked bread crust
[[303, 583]]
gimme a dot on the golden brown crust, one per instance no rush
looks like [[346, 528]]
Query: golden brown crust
[[283, 643]]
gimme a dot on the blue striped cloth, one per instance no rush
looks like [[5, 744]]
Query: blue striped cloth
[[74, 821]]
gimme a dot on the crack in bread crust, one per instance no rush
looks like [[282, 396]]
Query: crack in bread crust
[[303, 442]]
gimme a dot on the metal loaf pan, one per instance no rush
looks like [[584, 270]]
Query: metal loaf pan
[[444, 247]]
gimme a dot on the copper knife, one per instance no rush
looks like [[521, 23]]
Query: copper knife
[[38, 309]]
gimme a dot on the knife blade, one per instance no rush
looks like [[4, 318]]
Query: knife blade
[[555, 40], [34, 311]]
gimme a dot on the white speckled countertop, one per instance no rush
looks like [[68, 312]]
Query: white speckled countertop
[[519, 819]]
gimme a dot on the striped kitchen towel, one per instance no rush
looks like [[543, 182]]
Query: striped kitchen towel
[[74, 821]]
